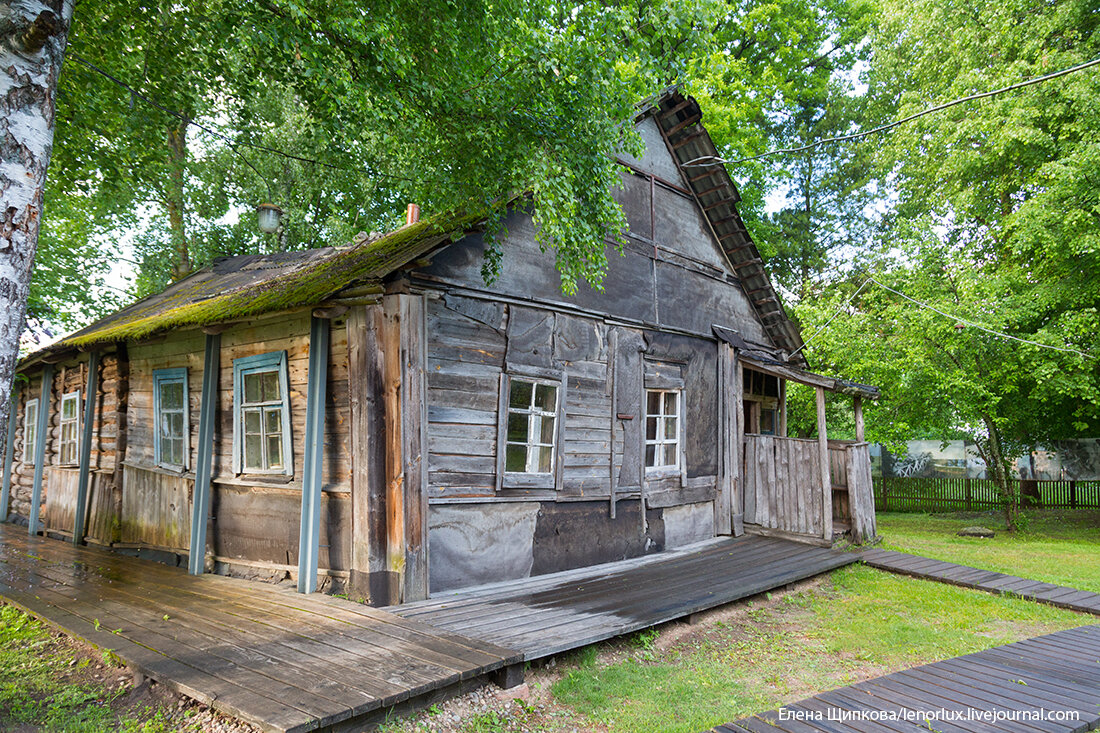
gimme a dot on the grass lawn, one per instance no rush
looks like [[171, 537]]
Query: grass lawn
[[850, 625], [1057, 546]]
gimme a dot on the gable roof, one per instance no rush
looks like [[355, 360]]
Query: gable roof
[[680, 120], [251, 285]]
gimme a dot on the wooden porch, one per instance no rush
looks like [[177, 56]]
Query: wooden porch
[[275, 658], [549, 614]]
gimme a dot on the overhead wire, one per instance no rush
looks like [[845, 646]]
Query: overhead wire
[[711, 160], [932, 308]]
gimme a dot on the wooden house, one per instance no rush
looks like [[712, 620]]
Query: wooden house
[[375, 419]]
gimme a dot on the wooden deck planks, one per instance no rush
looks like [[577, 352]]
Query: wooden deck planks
[[278, 659], [986, 580], [546, 615], [1056, 672]]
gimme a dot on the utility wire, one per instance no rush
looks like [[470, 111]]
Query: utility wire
[[926, 306], [712, 160], [230, 140]]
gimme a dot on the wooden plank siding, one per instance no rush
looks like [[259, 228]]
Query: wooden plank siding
[[783, 484]]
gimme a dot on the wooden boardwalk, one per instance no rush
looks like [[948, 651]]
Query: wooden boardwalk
[[1036, 681], [987, 580], [265, 654], [548, 614]]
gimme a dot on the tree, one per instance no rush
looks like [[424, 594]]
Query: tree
[[34, 35]]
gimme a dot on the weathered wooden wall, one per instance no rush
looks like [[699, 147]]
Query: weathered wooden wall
[[783, 484], [133, 503]]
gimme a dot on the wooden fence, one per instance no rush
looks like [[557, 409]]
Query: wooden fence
[[893, 494]]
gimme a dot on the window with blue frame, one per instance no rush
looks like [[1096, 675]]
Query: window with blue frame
[[261, 415], [171, 444]]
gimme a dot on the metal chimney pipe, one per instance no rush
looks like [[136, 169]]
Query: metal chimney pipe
[[412, 214]]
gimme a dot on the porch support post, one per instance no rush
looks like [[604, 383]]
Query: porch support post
[[40, 447], [9, 453], [857, 407], [204, 463], [727, 435], [91, 396], [310, 536], [737, 411], [781, 428], [826, 481]]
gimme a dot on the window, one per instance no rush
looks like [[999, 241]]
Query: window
[[532, 426], [30, 431], [171, 444], [68, 448], [261, 428], [662, 430]]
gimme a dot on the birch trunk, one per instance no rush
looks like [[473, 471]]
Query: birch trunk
[[32, 44]]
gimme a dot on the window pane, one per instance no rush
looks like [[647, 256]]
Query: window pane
[[175, 424], [172, 451], [650, 451], [670, 403], [515, 459], [546, 397], [546, 434], [252, 451], [171, 395], [546, 456], [670, 427], [68, 408], [271, 386], [252, 421], [520, 395], [273, 420], [274, 451], [653, 403], [517, 428], [252, 388], [651, 428], [669, 454]]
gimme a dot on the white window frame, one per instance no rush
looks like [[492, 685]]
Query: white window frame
[[242, 367], [30, 427], [69, 442], [531, 477], [660, 440], [171, 376]]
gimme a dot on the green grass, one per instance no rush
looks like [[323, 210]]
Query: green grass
[[39, 685], [863, 623], [1058, 546]]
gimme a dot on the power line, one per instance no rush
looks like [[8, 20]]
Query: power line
[[932, 308], [230, 140], [711, 160]]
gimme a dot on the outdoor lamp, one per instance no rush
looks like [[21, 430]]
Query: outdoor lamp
[[268, 216]]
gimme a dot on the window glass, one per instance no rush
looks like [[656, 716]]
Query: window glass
[[531, 428], [170, 404], [662, 429], [263, 413], [30, 431], [68, 445]]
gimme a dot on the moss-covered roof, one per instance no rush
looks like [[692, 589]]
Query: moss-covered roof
[[250, 285]]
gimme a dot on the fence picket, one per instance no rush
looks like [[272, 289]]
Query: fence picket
[[945, 494]]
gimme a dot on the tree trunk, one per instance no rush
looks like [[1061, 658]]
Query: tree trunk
[[996, 462], [32, 45], [174, 199]]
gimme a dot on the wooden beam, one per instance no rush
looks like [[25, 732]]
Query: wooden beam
[[204, 449], [414, 431], [40, 447], [91, 398], [857, 407], [330, 311], [395, 475], [738, 498], [826, 482], [309, 538], [727, 434], [9, 451], [367, 459]]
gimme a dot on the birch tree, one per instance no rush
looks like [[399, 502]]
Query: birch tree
[[34, 36]]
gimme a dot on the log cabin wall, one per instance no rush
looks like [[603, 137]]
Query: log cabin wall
[[141, 507], [652, 322], [59, 479]]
